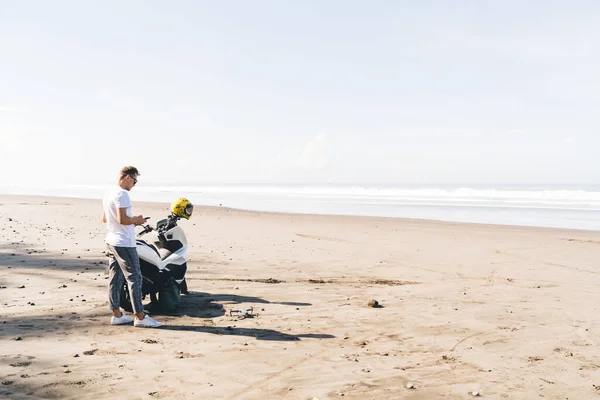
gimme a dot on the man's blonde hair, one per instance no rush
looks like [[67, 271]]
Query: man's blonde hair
[[129, 170]]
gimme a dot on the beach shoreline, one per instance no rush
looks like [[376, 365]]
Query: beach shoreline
[[505, 311], [555, 206]]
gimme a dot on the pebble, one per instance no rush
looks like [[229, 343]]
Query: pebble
[[410, 385], [373, 303]]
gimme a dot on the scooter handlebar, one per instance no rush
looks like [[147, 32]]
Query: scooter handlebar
[[146, 229]]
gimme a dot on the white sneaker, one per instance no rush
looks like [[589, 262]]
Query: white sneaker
[[147, 322], [122, 320]]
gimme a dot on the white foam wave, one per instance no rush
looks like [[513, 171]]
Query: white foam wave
[[464, 196]]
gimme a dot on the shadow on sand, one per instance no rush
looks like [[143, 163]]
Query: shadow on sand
[[258, 334], [207, 305]]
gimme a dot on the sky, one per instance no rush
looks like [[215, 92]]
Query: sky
[[327, 91]]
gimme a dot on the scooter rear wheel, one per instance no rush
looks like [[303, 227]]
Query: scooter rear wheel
[[183, 287]]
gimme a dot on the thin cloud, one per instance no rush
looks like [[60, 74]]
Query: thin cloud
[[11, 109], [313, 156]]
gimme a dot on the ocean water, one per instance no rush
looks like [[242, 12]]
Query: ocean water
[[561, 206]]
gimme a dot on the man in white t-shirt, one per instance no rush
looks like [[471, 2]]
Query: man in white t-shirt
[[120, 239]]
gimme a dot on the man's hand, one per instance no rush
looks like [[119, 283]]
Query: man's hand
[[123, 219]]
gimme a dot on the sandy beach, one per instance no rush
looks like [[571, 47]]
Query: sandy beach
[[491, 311]]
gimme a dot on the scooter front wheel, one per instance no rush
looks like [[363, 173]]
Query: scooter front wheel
[[169, 296]]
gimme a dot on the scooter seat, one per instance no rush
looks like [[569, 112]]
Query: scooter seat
[[139, 241]]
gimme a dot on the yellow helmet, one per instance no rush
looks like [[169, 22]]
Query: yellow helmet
[[182, 208]]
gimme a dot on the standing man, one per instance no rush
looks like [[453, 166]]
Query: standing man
[[118, 216]]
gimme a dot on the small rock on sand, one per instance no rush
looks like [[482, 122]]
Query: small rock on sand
[[373, 303]]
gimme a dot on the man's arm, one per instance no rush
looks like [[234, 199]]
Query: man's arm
[[123, 219], [103, 218]]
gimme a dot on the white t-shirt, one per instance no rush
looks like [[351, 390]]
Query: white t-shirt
[[118, 235]]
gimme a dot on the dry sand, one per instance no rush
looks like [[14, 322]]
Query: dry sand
[[504, 311]]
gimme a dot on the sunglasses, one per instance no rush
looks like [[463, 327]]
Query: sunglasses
[[134, 180]]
